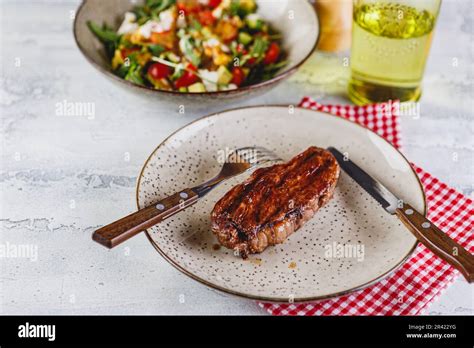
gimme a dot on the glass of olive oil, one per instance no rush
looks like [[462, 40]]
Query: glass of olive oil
[[390, 45]]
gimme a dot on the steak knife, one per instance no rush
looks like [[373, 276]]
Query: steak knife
[[422, 228]]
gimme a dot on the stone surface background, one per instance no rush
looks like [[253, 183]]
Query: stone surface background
[[63, 176]]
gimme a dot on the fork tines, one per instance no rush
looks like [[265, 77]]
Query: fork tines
[[256, 155]]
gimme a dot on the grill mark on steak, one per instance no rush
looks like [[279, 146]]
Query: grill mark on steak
[[275, 201], [240, 234], [245, 189], [283, 181], [279, 208]]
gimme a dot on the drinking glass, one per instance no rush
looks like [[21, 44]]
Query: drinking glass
[[391, 40]]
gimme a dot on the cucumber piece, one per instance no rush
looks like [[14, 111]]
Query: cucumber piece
[[173, 57], [225, 76], [197, 88], [254, 22], [248, 5], [245, 38]]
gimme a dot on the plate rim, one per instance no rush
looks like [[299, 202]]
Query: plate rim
[[265, 298]]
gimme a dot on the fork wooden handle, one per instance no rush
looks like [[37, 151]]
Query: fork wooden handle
[[437, 241], [127, 227]]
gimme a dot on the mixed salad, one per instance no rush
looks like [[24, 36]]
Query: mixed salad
[[193, 45]]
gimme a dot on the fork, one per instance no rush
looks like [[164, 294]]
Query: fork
[[237, 162]]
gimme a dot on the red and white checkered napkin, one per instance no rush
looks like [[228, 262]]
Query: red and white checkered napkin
[[422, 279]]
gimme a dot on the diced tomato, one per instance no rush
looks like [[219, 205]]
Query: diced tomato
[[238, 76], [241, 49], [206, 18], [191, 67], [214, 3], [272, 54], [125, 52], [181, 7], [252, 61], [188, 78], [188, 6], [159, 71]]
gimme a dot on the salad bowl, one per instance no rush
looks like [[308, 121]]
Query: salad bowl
[[295, 20]]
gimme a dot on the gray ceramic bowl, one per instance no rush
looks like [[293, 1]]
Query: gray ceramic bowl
[[295, 19]]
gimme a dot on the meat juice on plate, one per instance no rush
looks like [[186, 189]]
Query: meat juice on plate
[[390, 46]]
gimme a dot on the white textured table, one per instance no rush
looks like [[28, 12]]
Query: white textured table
[[62, 176]]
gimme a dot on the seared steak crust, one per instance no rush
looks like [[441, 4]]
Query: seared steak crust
[[274, 202]]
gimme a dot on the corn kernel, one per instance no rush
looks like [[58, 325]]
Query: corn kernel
[[221, 59], [117, 60]]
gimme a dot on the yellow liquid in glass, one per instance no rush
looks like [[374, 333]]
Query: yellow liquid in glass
[[390, 45]]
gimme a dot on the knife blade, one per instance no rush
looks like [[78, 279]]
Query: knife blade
[[422, 228], [373, 187]]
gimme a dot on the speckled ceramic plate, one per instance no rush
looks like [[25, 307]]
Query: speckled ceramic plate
[[350, 243]]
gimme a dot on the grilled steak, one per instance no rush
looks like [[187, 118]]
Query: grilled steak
[[274, 202]]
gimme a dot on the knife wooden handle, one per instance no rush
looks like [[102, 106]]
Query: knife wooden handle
[[437, 241], [119, 231]]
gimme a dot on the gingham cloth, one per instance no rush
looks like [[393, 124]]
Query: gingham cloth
[[423, 278]]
